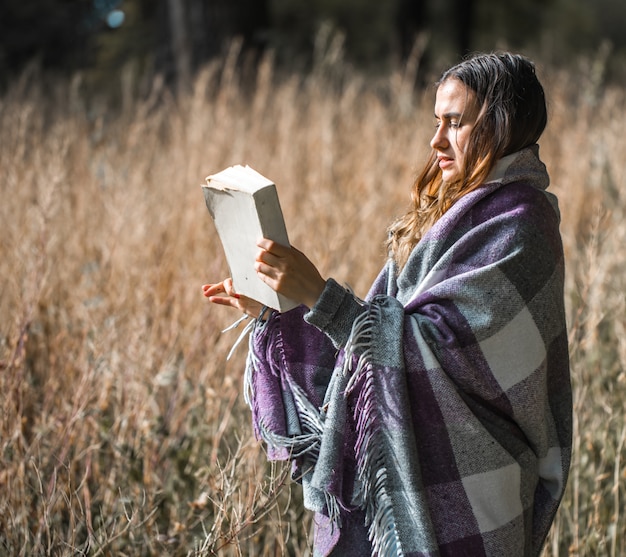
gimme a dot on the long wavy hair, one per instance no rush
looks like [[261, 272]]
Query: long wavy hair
[[512, 116]]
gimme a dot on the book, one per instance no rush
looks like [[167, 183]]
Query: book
[[244, 206]]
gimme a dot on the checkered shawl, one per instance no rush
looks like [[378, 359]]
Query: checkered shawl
[[433, 418]]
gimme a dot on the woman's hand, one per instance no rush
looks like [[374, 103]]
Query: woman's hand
[[223, 293], [288, 271]]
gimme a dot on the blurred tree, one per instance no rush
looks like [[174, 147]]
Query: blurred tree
[[368, 26], [410, 22], [181, 47], [174, 37], [171, 36], [50, 31], [450, 24], [374, 32], [197, 30], [464, 17], [132, 48], [510, 24]]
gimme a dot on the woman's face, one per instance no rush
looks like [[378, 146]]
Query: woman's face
[[456, 112]]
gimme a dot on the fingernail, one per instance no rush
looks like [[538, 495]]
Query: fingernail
[[237, 296]]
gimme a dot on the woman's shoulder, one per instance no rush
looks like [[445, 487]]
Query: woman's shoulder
[[517, 199]]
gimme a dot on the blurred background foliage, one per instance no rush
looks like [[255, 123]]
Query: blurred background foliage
[[174, 38]]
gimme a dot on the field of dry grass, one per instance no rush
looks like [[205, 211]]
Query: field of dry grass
[[123, 430]]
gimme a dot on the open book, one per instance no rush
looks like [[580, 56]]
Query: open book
[[244, 206]]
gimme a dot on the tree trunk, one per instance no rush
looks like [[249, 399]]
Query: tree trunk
[[180, 43]]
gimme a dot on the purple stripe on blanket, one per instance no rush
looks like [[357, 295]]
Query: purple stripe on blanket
[[442, 324], [451, 513], [433, 440]]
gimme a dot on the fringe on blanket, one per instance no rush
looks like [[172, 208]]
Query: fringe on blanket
[[304, 446], [370, 445]]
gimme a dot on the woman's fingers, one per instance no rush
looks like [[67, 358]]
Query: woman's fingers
[[272, 256], [223, 301], [223, 294], [273, 247], [219, 293], [213, 289], [288, 271], [224, 287], [269, 258], [229, 288]]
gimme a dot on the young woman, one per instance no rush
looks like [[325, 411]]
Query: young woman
[[433, 417]]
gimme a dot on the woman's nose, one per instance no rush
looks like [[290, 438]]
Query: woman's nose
[[439, 140]]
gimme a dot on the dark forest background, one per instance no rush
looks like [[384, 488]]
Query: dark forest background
[[176, 37]]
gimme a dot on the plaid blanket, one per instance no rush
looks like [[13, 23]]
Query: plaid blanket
[[434, 417]]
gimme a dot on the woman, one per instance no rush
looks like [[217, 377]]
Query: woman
[[434, 417]]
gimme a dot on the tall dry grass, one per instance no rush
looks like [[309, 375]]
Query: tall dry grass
[[123, 430]]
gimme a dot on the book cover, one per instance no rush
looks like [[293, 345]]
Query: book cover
[[244, 206]]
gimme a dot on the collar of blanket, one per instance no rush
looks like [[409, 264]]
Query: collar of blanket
[[524, 164]]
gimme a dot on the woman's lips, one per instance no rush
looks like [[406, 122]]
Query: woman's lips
[[445, 162]]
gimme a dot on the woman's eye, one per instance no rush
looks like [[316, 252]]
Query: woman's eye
[[454, 124]]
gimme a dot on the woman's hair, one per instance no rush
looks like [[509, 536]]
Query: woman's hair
[[512, 116]]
